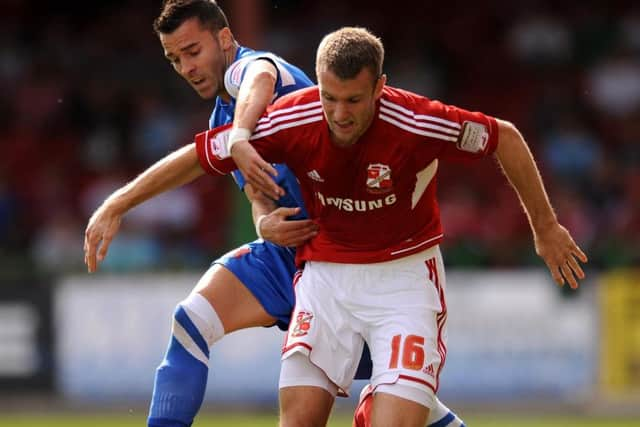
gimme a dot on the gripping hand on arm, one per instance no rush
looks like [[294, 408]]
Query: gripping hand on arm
[[272, 224], [176, 169], [256, 171], [255, 94], [553, 242]]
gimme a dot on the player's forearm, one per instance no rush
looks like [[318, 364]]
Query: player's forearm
[[518, 164], [260, 204], [174, 170], [256, 92]]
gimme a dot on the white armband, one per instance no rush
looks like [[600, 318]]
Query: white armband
[[237, 134], [258, 222]]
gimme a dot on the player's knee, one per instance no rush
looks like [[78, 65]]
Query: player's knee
[[304, 407], [196, 325], [306, 393]]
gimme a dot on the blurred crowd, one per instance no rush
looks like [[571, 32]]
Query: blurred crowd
[[88, 102]]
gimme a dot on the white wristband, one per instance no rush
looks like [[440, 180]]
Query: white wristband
[[237, 134], [258, 222]]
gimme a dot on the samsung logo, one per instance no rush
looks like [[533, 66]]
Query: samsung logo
[[350, 205]]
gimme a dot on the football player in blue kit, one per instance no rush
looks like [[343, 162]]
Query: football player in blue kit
[[251, 285]]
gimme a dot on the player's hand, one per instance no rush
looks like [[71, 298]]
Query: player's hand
[[255, 169], [277, 229], [102, 227], [561, 254]]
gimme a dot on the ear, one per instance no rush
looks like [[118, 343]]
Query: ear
[[382, 80], [225, 37]]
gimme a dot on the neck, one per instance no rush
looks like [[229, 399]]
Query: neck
[[229, 58]]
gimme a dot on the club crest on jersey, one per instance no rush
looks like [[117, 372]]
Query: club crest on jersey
[[379, 178], [302, 325]]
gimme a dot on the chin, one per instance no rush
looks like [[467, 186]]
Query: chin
[[205, 94]]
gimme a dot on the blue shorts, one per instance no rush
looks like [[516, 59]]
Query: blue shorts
[[267, 271]]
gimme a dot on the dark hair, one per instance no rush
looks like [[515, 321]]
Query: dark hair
[[347, 51], [175, 12]]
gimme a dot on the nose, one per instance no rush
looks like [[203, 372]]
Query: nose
[[340, 112], [187, 68]]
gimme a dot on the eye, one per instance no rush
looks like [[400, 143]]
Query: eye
[[354, 100], [194, 52]]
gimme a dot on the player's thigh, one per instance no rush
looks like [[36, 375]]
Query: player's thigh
[[322, 329], [390, 410], [235, 305], [252, 286], [407, 334]]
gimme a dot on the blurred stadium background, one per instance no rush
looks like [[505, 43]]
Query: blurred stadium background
[[88, 101]]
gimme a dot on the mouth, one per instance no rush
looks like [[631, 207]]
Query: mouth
[[344, 127], [198, 82]]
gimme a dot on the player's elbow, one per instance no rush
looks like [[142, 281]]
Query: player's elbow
[[507, 129], [508, 135]]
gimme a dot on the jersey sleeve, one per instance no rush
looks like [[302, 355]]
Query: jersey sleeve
[[461, 134], [211, 149], [235, 73], [211, 146], [477, 133]]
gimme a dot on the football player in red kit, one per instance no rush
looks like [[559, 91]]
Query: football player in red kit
[[366, 155]]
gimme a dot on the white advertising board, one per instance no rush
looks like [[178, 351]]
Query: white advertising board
[[512, 335]]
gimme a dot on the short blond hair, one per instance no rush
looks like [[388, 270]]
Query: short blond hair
[[347, 51]]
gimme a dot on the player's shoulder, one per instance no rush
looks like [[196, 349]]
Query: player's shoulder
[[244, 57], [290, 77], [247, 55], [299, 111], [401, 98], [412, 103]]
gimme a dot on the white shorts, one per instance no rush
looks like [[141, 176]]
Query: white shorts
[[398, 307]]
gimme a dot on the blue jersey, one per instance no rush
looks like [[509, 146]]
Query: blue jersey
[[290, 78]]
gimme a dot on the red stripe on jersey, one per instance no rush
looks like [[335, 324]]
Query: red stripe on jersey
[[416, 380], [441, 317], [297, 344], [296, 277], [441, 320]]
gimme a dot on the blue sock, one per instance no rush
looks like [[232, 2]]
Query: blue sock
[[449, 420], [181, 378], [441, 416]]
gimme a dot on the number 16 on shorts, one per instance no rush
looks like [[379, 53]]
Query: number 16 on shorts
[[408, 353]]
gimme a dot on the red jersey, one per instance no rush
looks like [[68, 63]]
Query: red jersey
[[376, 200]]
